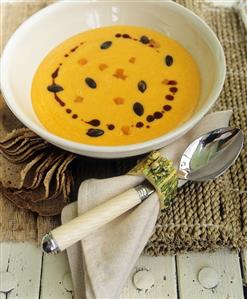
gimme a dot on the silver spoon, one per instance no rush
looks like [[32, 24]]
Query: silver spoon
[[212, 154], [204, 159]]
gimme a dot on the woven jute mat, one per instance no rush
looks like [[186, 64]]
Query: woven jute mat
[[204, 216]]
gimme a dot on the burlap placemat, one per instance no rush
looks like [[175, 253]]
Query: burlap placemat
[[204, 216]]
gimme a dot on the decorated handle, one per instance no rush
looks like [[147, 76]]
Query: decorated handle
[[67, 234], [158, 171]]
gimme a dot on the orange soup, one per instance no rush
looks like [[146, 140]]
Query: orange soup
[[115, 85]]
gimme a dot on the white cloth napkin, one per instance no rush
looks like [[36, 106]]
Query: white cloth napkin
[[101, 263]]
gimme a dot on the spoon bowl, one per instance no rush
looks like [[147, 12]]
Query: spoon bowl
[[211, 154]]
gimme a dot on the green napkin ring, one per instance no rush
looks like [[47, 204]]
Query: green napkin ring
[[161, 173]]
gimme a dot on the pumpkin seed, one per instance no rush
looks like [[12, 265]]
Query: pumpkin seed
[[54, 88], [106, 45], [169, 60], [90, 82], [142, 86], [95, 132], [138, 108]]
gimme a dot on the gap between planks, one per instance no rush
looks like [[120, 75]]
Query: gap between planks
[[243, 255], [56, 279]]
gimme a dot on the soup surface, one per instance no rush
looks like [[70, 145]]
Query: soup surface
[[115, 85]]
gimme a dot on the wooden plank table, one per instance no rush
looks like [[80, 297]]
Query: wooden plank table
[[26, 273]]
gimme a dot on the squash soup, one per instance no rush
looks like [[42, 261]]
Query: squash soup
[[115, 85]]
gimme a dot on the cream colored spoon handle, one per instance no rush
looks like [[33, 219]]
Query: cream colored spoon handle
[[67, 234]]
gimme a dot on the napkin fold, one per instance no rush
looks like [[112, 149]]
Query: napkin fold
[[101, 263]]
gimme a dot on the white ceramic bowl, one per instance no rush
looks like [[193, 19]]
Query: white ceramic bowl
[[57, 22]]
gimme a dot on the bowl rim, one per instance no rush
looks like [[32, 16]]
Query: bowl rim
[[98, 149]]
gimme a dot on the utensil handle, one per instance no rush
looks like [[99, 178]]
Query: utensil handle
[[75, 230]]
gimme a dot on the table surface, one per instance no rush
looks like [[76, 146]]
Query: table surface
[[25, 272]]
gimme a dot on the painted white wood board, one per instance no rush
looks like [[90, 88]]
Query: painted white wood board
[[23, 262], [226, 264], [163, 270], [56, 278]]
